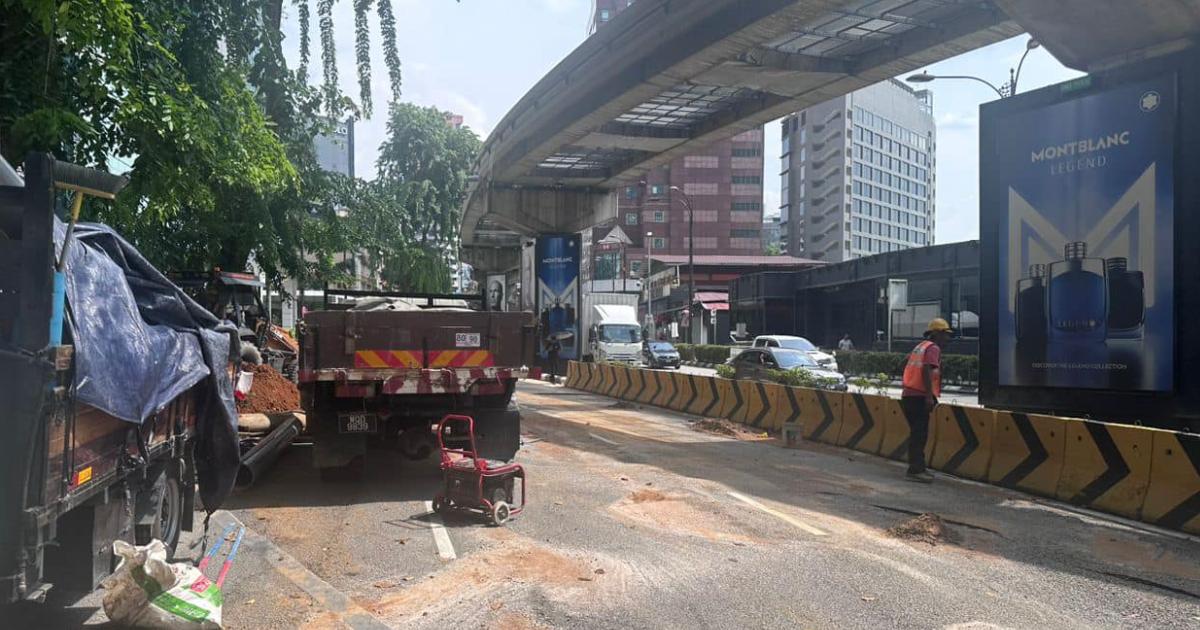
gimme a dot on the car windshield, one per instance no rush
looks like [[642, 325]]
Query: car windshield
[[798, 343], [789, 359], [661, 346], [620, 333]]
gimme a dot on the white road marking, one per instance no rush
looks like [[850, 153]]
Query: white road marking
[[779, 515], [440, 537], [605, 440]]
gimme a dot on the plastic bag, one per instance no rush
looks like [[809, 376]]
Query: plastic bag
[[148, 592]]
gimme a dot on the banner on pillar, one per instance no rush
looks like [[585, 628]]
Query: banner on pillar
[[557, 271], [496, 291]]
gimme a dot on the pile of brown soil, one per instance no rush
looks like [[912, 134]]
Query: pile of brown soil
[[270, 393], [720, 427], [926, 528]]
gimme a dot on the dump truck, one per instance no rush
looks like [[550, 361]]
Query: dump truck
[[383, 367], [103, 439]]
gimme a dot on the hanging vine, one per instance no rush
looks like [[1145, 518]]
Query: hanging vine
[[391, 56], [330, 87], [303, 14], [362, 54]]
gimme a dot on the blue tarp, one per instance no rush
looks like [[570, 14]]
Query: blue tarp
[[140, 342]]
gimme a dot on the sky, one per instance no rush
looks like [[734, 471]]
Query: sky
[[478, 57]]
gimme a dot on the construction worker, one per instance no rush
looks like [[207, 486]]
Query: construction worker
[[922, 386]]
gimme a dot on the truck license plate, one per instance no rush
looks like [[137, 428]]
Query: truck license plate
[[467, 340], [358, 423]]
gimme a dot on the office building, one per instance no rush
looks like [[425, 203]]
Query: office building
[[857, 174], [770, 233], [723, 182], [335, 150]]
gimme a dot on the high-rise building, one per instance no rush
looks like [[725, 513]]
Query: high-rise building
[[857, 174], [335, 150], [771, 232], [723, 182]]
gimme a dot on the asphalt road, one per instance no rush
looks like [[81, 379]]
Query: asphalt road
[[638, 520]]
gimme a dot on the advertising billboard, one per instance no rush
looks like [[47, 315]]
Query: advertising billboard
[[1081, 193], [556, 259]]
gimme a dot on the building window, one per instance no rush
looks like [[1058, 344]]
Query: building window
[[746, 205], [701, 161], [631, 218], [700, 188], [744, 233], [605, 15], [658, 243], [656, 189], [752, 152], [660, 216], [630, 192], [747, 179]]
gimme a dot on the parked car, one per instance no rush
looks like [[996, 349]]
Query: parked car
[[660, 354], [791, 342], [756, 364]]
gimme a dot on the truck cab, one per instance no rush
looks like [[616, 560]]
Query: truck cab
[[615, 334]]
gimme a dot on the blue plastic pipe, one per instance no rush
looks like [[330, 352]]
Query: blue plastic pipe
[[57, 306]]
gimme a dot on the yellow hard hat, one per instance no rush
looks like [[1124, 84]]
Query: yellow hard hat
[[937, 324]]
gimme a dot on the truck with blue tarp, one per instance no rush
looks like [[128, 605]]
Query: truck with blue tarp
[[117, 391]]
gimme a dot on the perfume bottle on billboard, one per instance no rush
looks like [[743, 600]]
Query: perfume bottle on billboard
[[1126, 300], [1078, 297], [1031, 306]]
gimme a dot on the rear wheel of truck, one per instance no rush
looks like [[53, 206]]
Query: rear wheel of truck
[[167, 516]]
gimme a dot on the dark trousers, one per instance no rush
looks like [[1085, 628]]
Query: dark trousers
[[553, 367], [917, 415]]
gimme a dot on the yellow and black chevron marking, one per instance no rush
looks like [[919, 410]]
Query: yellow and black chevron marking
[[776, 406], [589, 377], [735, 407], [707, 398], [683, 391], [758, 405], [821, 412], [621, 381], [1027, 452], [1173, 499], [861, 430], [694, 389], [572, 374], [666, 389], [650, 391], [1106, 466], [725, 397], [962, 442], [637, 383], [787, 407]]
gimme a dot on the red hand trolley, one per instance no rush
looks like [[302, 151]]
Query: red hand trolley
[[475, 484]]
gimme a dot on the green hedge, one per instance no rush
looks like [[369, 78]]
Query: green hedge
[[703, 353], [956, 368]]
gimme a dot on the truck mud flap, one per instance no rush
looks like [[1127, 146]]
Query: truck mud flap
[[498, 432]]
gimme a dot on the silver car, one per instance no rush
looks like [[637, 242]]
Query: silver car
[[757, 363]]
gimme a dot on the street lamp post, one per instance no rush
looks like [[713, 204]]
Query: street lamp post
[[1005, 91], [687, 203], [646, 281]]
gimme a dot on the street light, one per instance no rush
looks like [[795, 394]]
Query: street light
[[687, 203], [1013, 75], [646, 281]]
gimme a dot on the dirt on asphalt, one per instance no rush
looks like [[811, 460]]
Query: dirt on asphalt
[[927, 528]]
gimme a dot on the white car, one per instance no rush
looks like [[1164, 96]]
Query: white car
[[791, 342]]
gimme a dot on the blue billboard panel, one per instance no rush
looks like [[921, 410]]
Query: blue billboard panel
[[1086, 248], [557, 272]]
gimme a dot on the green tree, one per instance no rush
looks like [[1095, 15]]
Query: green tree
[[773, 249], [195, 97], [406, 221]]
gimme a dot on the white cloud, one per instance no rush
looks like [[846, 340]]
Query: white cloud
[[956, 120]]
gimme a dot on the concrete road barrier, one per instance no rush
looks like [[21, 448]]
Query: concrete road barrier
[[1132, 471], [706, 395], [821, 414], [1028, 452], [1106, 466], [862, 423], [1173, 494], [962, 440]]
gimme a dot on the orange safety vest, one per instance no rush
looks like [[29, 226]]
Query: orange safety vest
[[912, 371]]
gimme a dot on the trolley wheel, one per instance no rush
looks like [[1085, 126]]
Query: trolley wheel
[[500, 513], [439, 504]]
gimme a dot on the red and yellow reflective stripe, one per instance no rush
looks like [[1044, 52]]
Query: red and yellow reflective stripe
[[412, 358]]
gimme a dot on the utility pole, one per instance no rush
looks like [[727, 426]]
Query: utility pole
[[646, 281], [687, 203]]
